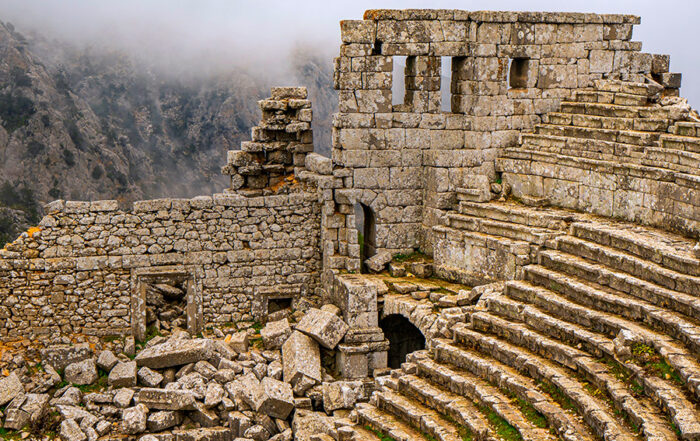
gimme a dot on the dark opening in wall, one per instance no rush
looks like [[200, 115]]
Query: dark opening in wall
[[377, 47], [398, 81], [403, 337], [366, 230], [446, 84], [278, 304], [518, 74], [166, 302]]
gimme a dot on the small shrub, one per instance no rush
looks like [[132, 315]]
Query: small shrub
[[68, 157], [15, 111], [97, 172], [34, 148]]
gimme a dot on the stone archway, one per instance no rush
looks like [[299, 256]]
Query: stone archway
[[404, 337]]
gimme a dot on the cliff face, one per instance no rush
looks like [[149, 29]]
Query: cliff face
[[92, 124]]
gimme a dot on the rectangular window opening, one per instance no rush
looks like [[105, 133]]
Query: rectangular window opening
[[518, 73], [398, 81], [446, 84]]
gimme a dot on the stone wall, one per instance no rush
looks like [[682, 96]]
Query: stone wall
[[406, 161], [80, 272]]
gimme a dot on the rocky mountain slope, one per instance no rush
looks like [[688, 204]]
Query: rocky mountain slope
[[90, 123]]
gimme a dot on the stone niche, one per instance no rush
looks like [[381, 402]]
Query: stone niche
[[167, 297]]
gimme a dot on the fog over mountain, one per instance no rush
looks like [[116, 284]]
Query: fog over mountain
[[136, 99]]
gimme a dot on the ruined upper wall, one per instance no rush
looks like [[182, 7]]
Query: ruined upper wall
[[407, 160]]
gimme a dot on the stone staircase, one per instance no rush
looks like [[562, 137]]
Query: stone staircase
[[618, 150], [597, 339]]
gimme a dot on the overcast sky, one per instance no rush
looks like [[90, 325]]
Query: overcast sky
[[216, 34]]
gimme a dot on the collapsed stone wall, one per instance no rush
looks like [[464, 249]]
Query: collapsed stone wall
[[406, 162], [80, 273]]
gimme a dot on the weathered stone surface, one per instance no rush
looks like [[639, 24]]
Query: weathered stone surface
[[377, 262], [307, 424], [204, 434], [60, 356], [10, 387], [341, 395], [324, 327], [107, 360], [175, 352], [81, 373], [123, 374], [279, 398], [238, 342], [164, 399], [274, 334], [148, 377], [162, 420], [134, 419], [301, 360], [70, 431], [123, 397]]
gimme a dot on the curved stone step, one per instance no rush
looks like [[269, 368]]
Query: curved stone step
[[631, 264], [486, 395], [630, 286], [362, 434], [650, 423], [457, 407], [509, 230], [669, 250], [599, 109], [547, 218], [607, 122], [559, 274], [671, 397], [415, 414], [596, 414], [561, 307], [635, 137], [370, 415], [472, 364], [683, 143]]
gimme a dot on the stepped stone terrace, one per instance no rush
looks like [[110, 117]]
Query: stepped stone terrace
[[502, 245]]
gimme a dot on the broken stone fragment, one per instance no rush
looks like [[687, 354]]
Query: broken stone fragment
[[341, 395], [238, 342], [377, 262], [162, 420], [203, 434], [107, 360], [134, 419], [10, 387], [203, 416], [279, 399], [60, 356], [307, 424], [148, 377], [696, 250], [251, 391], [123, 397], [301, 361], [323, 326], [274, 334], [215, 393], [123, 374], [81, 373], [164, 399], [175, 352], [70, 431]]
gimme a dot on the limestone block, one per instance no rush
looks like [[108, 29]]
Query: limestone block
[[319, 164], [81, 373], [307, 424], [165, 399], [122, 398], [358, 31], [324, 327], [60, 356], [134, 419], [148, 377], [301, 360], [175, 352], [601, 61], [203, 434], [70, 431], [557, 76], [279, 399], [378, 262], [10, 387], [107, 360], [274, 334], [165, 419], [341, 395], [123, 374], [238, 341], [279, 93]]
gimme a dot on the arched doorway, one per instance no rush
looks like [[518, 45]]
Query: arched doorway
[[403, 337], [366, 226]]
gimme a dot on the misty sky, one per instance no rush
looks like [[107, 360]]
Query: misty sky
[[210, 35]]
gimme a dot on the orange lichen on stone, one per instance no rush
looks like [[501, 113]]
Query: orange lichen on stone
[[32, 231], [286, 182]]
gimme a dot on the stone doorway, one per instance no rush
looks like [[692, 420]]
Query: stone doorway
[[367, 227], [403, 336], [164, 299]]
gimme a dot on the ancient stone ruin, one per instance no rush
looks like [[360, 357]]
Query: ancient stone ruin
[[503, 245]]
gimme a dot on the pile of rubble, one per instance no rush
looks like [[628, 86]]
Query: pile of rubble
[[183, 388]]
